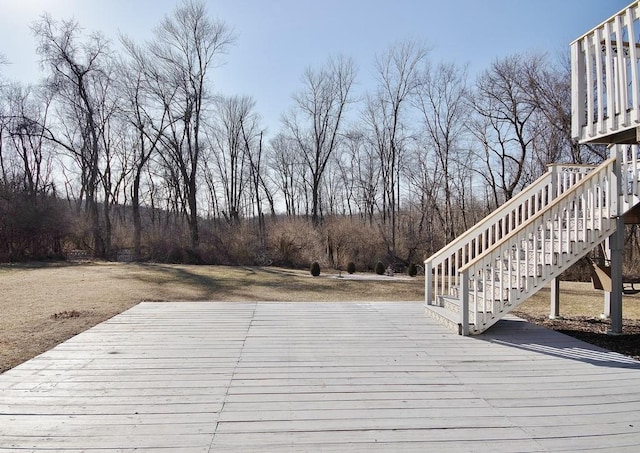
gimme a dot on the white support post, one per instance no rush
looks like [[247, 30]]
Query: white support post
[[615, 187], [606, 309], [554, 182], [554, 311], [616, 242], [464, 305], [428, 283], [578, 93]]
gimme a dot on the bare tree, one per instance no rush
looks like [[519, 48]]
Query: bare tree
[[252, 136], [346, 163], [144, 123], [229, 151], [287, 170], [504, 126], [75, 69], [548, 84], [25, 132], [425, 186], [4, 170], [361, 172], [3, 123], [185, 48], [315, 120], [333, 189], [397, 71], [442, 101]]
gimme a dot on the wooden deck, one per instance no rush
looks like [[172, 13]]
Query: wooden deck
[[317, 377]]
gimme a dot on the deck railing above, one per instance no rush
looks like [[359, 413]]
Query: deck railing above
[[605, 68]]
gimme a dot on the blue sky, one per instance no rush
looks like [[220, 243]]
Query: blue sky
[[278, 39]]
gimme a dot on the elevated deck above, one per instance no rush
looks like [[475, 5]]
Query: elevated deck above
[[605, 87]]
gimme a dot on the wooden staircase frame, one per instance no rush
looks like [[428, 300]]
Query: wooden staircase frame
[[526, 243]]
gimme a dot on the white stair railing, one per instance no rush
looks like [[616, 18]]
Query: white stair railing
[[441, 269], [523, 261], [520, 247]]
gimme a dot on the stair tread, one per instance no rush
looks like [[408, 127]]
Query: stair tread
[[454, 315], [448, 298]]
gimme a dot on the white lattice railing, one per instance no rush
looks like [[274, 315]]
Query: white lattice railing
[[605, 66], [441, 269]]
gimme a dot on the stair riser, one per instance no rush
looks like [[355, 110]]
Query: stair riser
[[446, 322], [451, 306]]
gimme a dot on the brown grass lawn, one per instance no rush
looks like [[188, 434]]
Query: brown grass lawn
[[42, 305]]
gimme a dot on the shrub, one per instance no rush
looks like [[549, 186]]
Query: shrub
[[412, 270], [315, 269], [33, 226], [294, 243], [351, 267], [380, 268]]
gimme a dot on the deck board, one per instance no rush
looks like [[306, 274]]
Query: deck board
[[268, 376]]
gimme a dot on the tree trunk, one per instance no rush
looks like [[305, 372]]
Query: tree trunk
[[193, 215], [137, 221]]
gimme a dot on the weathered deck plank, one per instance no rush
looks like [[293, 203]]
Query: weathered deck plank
[[317, 377]]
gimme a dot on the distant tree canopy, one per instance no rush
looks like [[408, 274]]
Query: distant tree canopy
[[128, 145]]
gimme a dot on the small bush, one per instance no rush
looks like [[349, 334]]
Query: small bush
[[351, 267], [380, 268], [412, 270], [315, 269]]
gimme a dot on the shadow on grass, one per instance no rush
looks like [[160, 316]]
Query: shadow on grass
[[240, 283], [166, 275], [45, 264], [257, 284]]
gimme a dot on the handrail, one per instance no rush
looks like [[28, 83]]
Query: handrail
[[497, 214], [473, 231], [535, 218]]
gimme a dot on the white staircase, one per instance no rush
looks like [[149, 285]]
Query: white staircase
[[507, 257]]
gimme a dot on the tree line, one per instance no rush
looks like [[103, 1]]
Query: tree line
[[128, 145]]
